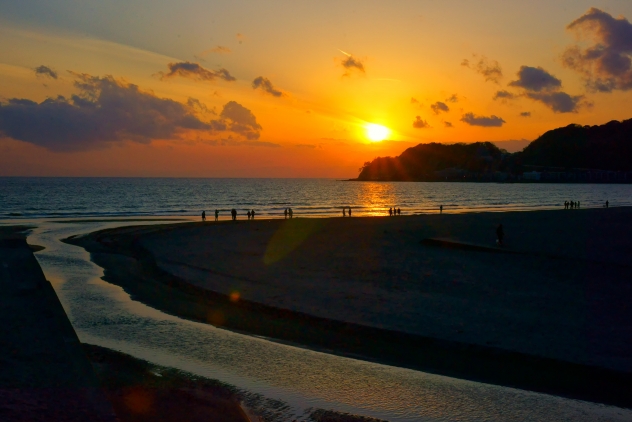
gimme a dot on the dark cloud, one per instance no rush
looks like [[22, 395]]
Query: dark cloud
[[525, 114], [45, 71], [438, 107], [607, 63], [490, 69], [196, 72], [242, 121], [107, 111], [415, 101], [536, 79], [473, 120], [448, 124], [352, 65], [452, 99], [266, 86], [559, 102], [420, 124], [504, 95]]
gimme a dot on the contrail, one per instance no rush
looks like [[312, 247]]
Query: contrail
[[345, 53]]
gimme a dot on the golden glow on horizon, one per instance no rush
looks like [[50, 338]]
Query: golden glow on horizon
[[377, 133]]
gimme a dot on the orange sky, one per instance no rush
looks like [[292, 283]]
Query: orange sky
[[287, 89]]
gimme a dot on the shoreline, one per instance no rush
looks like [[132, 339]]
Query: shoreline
[[130, 265]]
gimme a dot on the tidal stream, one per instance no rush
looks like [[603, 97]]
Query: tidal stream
[[273, 373]]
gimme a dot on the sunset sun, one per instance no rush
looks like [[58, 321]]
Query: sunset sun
[[376, 133]]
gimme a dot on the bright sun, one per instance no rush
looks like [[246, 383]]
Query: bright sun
[[376, 133]]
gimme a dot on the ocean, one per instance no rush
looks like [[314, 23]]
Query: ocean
[[34, 197]]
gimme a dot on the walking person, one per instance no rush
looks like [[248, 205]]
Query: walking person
[[349, 211], [216, 215], [285, 213], [252, 214], [248, 213], [203, 215], [440, 209], [399, 211], [607, 204], [390, 212], [290, 212], [344, 212], [500, 234], [233, 213]]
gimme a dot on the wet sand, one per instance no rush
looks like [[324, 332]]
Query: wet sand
[[553, 315]]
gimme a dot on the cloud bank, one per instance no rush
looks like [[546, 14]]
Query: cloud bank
[[196, 72], [484, 121], [266, 86], [606, 64], [352, 65], [107, 111], [45, 71], [535, 79]]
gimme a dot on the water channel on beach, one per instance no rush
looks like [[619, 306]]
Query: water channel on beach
[[103, 314]]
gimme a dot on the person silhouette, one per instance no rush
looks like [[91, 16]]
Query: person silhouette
[[390, 212], [290, 212], [285, 213], [233, 213], [500, 233], [252, 214], [203, 215], [607, 204], [349, 211], [248, 213], [216, 215], [399, 211], [440, 209], [344, 212]]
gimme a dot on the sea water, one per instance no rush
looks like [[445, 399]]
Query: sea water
[[111, 197]]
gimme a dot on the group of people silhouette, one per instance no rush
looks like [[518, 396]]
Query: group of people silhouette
[[344, 211], [288, 213], [394, 211], [233, 214], [571, 205]]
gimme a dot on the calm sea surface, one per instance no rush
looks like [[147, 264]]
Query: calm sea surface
[[79, 197]]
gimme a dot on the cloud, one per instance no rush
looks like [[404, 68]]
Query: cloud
[[504, 95], [448, 124], [559, 102], [352, 64], [473, 120], [266, 86], [45, 71], [240, 37], [196, 72], [525, 114], [420, 124], [438, 107], [218, 50], [452, 99], [107, 111], [490, 69], [535, 79], [231, 142], [242, 121], [414, 101], [606, 64], [540, 85]]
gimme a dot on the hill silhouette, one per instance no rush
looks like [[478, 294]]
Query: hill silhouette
[[573, 148]]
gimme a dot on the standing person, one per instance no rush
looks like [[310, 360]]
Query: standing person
[[285, 213], [500, 234], [607, 204], [248, 213], [349, 211], [390, 212], [290, 212], [252, 214], [233, 213], [440, 209], [399, 211], [216, 215], [203, 215], [344, 211]]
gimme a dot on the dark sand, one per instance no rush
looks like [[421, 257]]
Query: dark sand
[[44, 374], [552, 315]]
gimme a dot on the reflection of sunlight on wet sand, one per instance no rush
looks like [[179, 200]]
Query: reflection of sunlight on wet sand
[[377, 198]]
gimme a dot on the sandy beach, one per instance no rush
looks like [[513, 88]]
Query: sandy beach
[[548, 312]]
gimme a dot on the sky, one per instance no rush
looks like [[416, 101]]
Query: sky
[[199, 88]]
